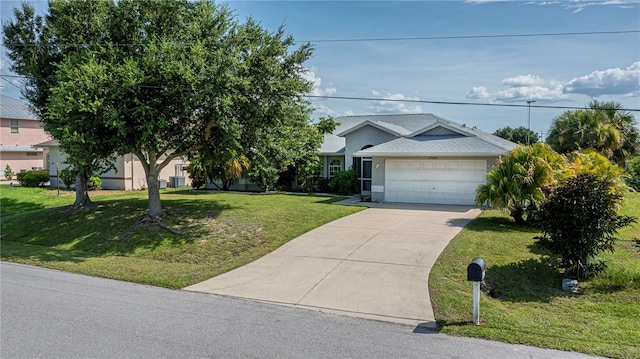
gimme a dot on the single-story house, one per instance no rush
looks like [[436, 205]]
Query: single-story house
[[128, 174], [418, 158], [19, 131]]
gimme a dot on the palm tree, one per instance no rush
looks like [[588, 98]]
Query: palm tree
[[517, 183], [604, 127]]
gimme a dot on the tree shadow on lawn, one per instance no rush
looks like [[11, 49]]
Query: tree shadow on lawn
[[499, 224], [10, 206], [109, 227], [530, 280]]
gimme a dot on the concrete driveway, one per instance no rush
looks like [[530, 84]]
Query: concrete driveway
[[372, 264]]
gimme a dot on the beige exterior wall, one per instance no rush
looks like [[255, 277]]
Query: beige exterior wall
[[16, 148], [128, 174]]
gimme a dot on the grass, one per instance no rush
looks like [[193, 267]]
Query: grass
[[222, 231], [522, 300]]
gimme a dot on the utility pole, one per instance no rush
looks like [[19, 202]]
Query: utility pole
[[529, 122]]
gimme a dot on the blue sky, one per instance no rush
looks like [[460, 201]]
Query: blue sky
[[552, 70]]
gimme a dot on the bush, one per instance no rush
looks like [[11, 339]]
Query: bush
[[579, 220], [344, 183], [633, 174], [67, 176], [94, 183], [36, 178], [8, 173]]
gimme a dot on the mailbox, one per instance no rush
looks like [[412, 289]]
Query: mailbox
[[475, 270]]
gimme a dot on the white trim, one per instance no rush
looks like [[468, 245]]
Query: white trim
[[427, 154]]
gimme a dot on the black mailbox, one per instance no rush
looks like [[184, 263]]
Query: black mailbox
[[475, 270]]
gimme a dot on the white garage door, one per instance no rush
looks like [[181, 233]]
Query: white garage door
[[433, 181]]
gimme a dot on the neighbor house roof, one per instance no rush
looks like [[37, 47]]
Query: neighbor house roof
[[14, 109], [414, 137], [19, 149], [50, 143]]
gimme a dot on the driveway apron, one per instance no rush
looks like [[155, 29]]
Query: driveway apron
[[372, 264]]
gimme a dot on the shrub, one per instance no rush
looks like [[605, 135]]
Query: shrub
[[196, 173], [94, 182], [633, 174], [344, 183], [8, 173], [67, 176], [579, 220], [36, 178]]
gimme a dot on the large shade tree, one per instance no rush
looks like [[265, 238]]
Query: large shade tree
[[603, 126], [40, 49], [170, 77]]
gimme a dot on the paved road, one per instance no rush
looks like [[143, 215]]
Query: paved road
[[53, 314]]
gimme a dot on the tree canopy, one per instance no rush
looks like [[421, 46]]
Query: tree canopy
[[603, 126], [42, 50], [518, 135], [162, 79]]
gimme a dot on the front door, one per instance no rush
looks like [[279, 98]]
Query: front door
[[363, 167]]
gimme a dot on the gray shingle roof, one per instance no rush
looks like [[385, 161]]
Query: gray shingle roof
[[50, 143], [471, 141], [12, 108], [450, 145]]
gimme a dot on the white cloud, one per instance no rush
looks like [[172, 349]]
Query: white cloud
[[318, 89], [532, 87], [538, 93], [479, 92], [523, 81], [391, 104], [579, 5], [608, 82]]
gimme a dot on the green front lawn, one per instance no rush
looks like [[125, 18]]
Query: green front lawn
[[522, 300], [222, 231]]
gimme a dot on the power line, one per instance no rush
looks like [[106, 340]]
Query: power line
[[457, 103], [477, 36], [421, 38]]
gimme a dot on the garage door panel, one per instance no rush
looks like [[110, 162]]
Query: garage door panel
[[433, 181]]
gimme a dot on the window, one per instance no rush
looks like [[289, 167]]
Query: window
[[335, 166], [14, 125], [32, 154]]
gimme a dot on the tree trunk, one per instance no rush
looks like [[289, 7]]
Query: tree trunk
[[155, 206], [82, 187], [517, 214]]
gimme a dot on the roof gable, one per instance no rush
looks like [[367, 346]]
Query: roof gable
[[441, 128], [390, 128]]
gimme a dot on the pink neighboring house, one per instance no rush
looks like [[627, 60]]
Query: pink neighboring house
[[19, 131]]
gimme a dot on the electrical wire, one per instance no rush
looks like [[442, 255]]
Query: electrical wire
[[420, 38], [477, 36], [353, 98]]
